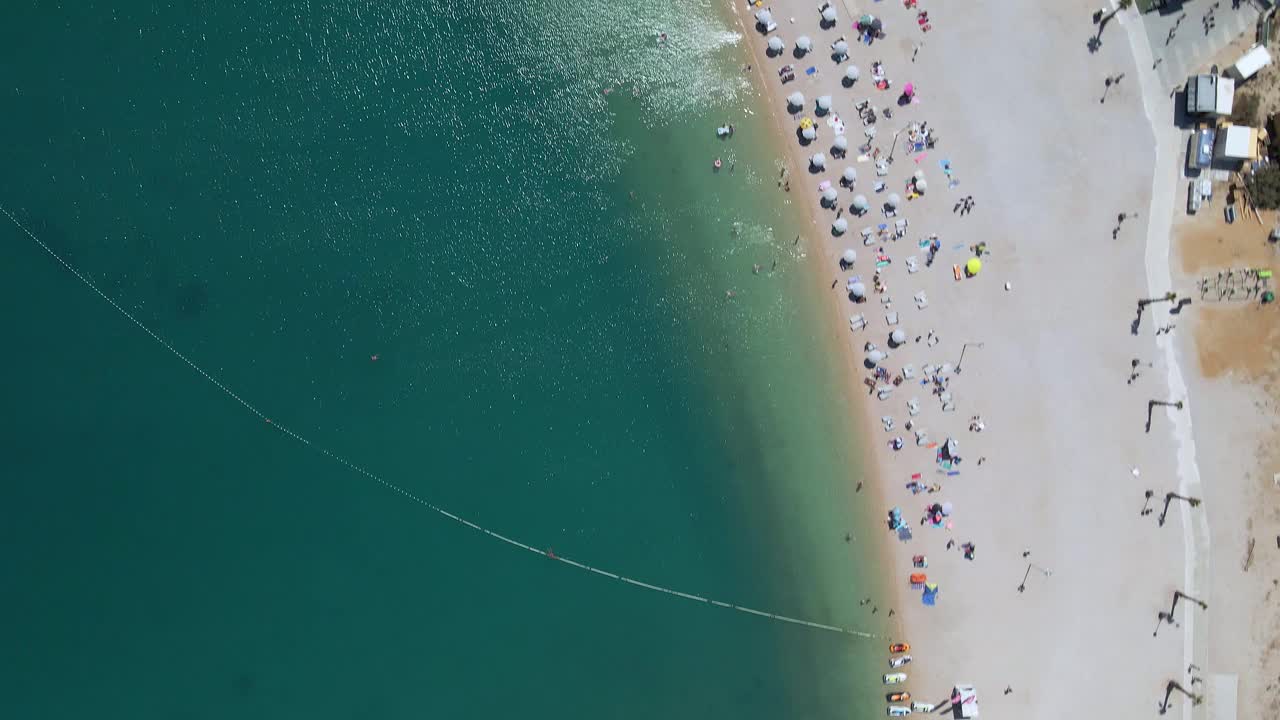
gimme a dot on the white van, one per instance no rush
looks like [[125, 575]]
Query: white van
[[923, 707]]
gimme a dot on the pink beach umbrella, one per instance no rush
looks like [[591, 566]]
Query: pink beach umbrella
[[909, 90]]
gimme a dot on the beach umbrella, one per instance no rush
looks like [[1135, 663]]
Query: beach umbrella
[[950, 448], [809, 133], [829, 195], [919, 175], [852, 72], [849, 257], [875, 357], [764, 17], [796, 99], [973, 267], [866, 19], [829, 14], [858, 290], [776, 44], [898, 337], [818, 160], [850, 174], [860, 203], [804, 44], [947, 508], [908, 90], [824, 102], [841, 143], [840, 226], [876, 24], [841, 48], [921, 185], [894, 201]]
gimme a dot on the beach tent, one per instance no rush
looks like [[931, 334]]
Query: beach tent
[[840, 226], [804, 44], [818, 160], [809, 133], [841, 143], [829, 14], [860, 203], [796, 100], [965, 697], [894, 200], [849, 257], [858, 290], [973, 267], [829, 195], [764, 17], [824, 102], [1250, 63], [852, 72], [850, 175], [776, 44], [841, 48]]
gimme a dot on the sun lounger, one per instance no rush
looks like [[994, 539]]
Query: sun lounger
[[891, 318], [922, 300], [857, 322], [913, 407], [882, 168], [887, 422], [866, 235], [945, 398], [884, 391], [955, 270], [948, 407], [912, 267], [908, 371], [900, 227], [945, 368], [922, 438]]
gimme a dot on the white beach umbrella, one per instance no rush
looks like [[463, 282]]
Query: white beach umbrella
[[776, 44], [850, 174], [818, 160], [824, 102], [898, 337], [875, 357], [829, 14], [808, 133], [894, 200], [764, 17], [796, 99], [852, 72], [804, 44], [921, 185], [919, 175], [850, 256], [841, 143], [840, 226], [860, 202], [841, 48], [858, 290], [830, 195]]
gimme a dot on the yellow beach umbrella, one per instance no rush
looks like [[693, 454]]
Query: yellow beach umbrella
[[973, 267], [806, 123]]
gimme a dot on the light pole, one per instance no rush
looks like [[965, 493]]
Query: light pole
[[1193, 502], [1023, 585], [962, 349]]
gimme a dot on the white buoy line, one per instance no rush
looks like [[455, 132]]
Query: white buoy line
[[398, 489]]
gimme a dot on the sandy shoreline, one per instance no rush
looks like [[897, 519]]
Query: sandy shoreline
[[1049, 167]]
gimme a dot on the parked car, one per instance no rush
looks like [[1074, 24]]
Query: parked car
[[895, 678], [900, 648], [898, 711], [899, 661], [923, 707], [1193, 198], [899, 697]]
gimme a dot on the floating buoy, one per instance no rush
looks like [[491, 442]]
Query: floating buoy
[[716, 164]]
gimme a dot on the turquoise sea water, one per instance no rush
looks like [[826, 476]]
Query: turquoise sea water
[[284, 190]]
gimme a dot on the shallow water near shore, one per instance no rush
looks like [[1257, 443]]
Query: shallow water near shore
[[543, 273]]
